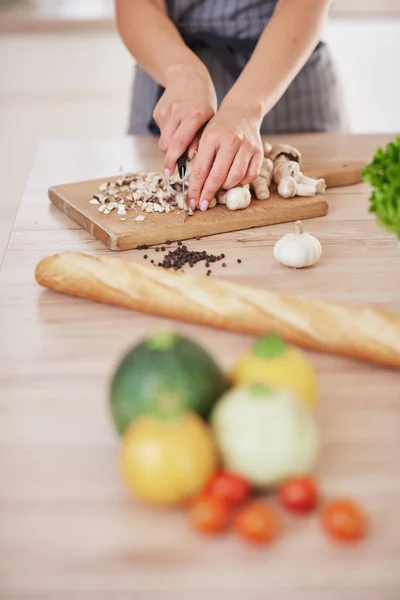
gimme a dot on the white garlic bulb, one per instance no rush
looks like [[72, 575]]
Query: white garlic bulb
[[298, 249]]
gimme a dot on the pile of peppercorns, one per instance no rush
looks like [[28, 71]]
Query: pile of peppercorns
[[179, 257]]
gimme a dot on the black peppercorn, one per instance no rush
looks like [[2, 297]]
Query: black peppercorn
[[180, 256]]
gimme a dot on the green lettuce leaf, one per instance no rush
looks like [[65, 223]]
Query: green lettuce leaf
[[383, 175]]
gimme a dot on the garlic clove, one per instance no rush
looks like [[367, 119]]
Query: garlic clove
[[298, 249]]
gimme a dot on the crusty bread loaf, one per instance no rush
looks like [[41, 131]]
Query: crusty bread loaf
[[350, 330]]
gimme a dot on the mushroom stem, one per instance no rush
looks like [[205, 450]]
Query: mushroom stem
[[320, 184], [305, 190], [284, 167], [260, 185], [289, 187], [266, 169]]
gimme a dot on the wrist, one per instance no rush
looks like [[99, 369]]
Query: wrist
[[252, 106], [188, 68]]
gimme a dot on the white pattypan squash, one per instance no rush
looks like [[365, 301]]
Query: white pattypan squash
[[265, 435]]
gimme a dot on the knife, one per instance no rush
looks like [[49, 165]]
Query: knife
[[182, 165], [182, 160]]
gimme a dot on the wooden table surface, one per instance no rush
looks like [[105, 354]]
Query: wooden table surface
[[68, 529]]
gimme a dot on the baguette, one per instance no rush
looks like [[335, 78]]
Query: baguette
[[349, 330]]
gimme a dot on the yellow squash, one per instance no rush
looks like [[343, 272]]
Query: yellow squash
[[165, 462], [279, 365]]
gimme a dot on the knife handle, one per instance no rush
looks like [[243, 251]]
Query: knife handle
[[182, 160]]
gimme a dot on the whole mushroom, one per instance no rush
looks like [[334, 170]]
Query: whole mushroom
[[236, 198], [289, 187]]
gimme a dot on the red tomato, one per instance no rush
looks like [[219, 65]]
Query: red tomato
[[257, 523], [344, 520], [299, 494], [209, 514], [231, 488]]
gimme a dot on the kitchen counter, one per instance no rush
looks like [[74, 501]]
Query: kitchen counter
[[68, 529], [33, 16]]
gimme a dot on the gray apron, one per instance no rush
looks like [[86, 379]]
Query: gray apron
[[313, 101]]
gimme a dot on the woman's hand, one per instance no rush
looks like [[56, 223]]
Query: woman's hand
[[188, 103], [230, 153]]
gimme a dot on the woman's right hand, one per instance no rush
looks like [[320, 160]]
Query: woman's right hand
[[187, 104]]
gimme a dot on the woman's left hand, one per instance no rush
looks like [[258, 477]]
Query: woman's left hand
[[230, 153]]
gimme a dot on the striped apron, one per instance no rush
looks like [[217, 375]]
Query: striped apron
[[312, 102]]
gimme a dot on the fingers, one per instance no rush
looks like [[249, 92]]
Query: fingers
[[168, 129], [201, 168], [210, 170], [181, 140], [254, 168], [194, 146], [238, 169], [178, 126], [221, 167]]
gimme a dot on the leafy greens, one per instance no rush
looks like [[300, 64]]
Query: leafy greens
[[383, 174]]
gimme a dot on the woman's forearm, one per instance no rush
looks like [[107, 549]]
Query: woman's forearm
[[153, 40], [285, 45]]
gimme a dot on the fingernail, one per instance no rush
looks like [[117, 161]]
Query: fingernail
[[192, 204], [203, 205], [167, 173], [191, 154]]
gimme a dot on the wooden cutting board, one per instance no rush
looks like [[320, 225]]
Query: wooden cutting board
[[125, 234]]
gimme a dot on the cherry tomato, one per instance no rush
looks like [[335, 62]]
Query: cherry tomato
[[231, 488], [344, 520], [209, 514], [299, 494], [257, 523]]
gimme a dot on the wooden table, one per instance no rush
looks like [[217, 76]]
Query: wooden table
[[68, 529]]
